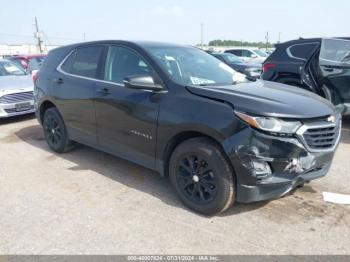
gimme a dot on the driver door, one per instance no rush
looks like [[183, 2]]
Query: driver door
[[126, 118]]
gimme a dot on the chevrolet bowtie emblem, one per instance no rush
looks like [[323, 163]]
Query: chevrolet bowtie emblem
[[331, 119]]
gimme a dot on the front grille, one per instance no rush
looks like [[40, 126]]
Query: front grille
[[13, 110], [17, 97], [319, 137]]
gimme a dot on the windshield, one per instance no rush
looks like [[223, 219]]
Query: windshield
[[191, 66], [10, 68], [260, 53], [231, 58]]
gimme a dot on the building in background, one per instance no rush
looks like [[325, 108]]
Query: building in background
[[27, 49]]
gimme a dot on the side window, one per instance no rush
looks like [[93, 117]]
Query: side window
[[302, 51], [122, 62], [83, 61], [335, 50], [236, 52], [247, 53]]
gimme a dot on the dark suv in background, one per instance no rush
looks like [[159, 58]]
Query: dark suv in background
[[320, 65], [180, 111]]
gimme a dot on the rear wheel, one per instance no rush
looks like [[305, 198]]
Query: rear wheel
[[55, 131], [202, 177]]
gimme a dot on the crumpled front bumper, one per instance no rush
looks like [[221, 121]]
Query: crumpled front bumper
[[268, 167]]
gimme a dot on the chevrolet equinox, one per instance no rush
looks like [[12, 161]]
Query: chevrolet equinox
[[180, 111]]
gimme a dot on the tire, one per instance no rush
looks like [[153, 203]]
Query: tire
[[55, 131], [208, 188]]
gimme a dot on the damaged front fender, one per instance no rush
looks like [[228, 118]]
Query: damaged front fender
[[263, 160]]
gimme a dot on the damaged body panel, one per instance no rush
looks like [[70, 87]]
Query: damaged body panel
[[269, 166]]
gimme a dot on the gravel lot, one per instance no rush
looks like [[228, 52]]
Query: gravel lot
[[88, 202]]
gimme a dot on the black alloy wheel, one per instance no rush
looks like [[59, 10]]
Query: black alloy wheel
[[196, 179], [202, 176], [55, 131]]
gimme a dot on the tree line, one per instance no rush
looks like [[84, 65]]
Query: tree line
[[220, 42]]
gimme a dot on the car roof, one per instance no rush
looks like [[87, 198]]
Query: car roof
[[142, 44], [308, 40]]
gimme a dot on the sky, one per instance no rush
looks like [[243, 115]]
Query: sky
[[178, 21]]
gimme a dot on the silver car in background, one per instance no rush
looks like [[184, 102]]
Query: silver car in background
[[16, 90]]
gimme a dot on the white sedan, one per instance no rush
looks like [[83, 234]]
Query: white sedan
[[16, 90]]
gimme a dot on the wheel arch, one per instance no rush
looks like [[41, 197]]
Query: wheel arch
[[43, 107], [181, 137]]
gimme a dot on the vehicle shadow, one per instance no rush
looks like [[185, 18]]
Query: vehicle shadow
[[127, 173], [15, 119], [119, 170]]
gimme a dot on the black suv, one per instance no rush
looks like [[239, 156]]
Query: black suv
[[184, 113], [320, 65]]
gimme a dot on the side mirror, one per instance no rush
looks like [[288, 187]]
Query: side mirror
[[254, 56], [141, 82]]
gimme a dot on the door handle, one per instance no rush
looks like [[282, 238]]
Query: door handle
[[59, 81], [104, 91], [327, 69]]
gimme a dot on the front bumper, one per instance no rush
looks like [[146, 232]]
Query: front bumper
[[268, 167], [9, 110]]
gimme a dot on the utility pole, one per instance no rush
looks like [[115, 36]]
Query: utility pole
[[202, 25], [279, 37], [38, 35], [84, 37], [267, 37]]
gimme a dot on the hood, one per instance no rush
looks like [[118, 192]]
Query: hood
[[269, 99], [10, 84]]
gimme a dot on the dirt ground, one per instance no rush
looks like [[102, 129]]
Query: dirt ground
[[88, 202]]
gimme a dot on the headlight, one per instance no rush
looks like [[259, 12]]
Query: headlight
[[253, 71], [270, 124]]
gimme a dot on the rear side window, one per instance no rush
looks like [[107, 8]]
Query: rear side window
[[84, 61], [302, 51]]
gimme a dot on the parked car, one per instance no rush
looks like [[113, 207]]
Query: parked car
[[178, 110], [249, 55], [16, 90], [319, 65], [251, 70], [29, 62]]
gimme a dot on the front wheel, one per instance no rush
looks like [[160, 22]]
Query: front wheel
[[55, 131], [202, 176]]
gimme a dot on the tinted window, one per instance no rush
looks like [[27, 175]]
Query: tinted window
[[235, 52], [303, 51], [84, 61], [247, 53], [122, 62]]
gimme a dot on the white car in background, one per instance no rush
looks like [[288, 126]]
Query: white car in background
[[16, 90], [249, 55]]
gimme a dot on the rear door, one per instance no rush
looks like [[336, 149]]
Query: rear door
[[73, 89], [334, 63]]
